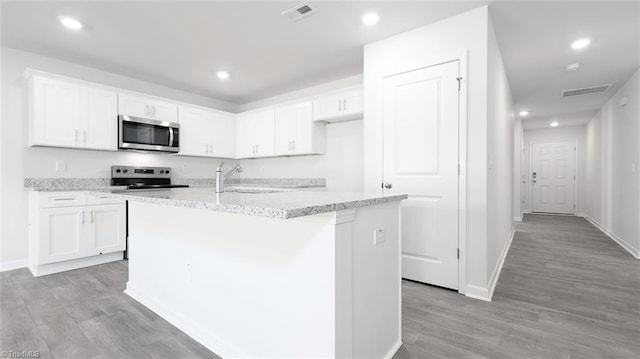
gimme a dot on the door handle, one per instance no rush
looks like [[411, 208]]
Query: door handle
[[388, 185]]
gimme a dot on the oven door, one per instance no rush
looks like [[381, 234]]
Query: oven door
[[146, 134]]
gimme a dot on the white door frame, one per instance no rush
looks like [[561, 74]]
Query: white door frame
[[575, 168], [462, 160]]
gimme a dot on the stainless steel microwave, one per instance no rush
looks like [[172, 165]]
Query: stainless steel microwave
[[135, 133]]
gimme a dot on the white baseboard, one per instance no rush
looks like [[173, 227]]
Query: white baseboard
[[11, 265], [628, 247], [486, 294], [188, 326], [478, 292], [517, 219], [51, 268], [394, 349]]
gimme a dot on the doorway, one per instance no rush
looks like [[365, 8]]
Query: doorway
[[553, 177], [420, 157]]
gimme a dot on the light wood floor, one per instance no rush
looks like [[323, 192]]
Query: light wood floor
[[566, 291]]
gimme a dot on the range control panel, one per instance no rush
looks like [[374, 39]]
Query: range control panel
[[140, 172]]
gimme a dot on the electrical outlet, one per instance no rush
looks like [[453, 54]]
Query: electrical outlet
[[61, 166], [378, 236]]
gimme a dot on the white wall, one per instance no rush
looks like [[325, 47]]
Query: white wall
[[557, 134], [593, 205], [518, 169], [614, 136], [500, 155], [439, 42]]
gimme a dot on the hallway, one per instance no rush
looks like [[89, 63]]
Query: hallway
[[566, 291]]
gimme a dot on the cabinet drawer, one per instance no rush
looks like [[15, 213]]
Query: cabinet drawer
[[62, 199], [103, 199]]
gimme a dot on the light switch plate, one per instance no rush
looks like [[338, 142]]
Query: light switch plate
[[61, 166], [378, 236]]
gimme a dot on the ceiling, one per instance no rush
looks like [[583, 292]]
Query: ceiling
[[183, 44], [535, 37]]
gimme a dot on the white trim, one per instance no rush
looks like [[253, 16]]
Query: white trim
[[11, 265], [394, 349], [628, 247], [478, 292], [51, 268], [486, 294], [526, 211], [575, 171], [493, 280], [462, 178], [189, 327], [517, 219]]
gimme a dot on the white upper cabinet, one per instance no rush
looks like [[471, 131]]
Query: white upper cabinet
[[69, 114], [206, 133], [296, 133], [147, 107], [255, 134], [343, 106], [98, 118]]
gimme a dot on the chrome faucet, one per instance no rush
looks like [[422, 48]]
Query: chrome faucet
[[221, 177]]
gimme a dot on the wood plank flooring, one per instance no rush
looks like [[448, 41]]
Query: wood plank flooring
[[566, 291]]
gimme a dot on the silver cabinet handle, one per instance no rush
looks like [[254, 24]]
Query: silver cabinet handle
[[210, 148], [340, 105], [257, 149], [91, 216], [388, 185], [76, 136], [344, 104], [64, 199], [84, 135], [153, 110], [83, 213], [293, 145]]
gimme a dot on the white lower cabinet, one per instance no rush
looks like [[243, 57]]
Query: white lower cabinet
[[65, 233]]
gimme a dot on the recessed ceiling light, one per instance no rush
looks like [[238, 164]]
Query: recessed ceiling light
[[222, 75], [70, 22], [370, 18], [523, 113], [573, 67], [580, 43], [554, 124]]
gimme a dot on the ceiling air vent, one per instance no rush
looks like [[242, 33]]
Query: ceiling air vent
[[299, 12], [586, 90]]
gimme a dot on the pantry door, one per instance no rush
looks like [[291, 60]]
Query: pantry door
[[420, 158], [553, 177]]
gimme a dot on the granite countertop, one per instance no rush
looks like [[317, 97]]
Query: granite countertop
[[90, 184], [275, 204]]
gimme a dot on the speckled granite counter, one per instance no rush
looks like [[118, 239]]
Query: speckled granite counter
[[83, 184], [279, 204]]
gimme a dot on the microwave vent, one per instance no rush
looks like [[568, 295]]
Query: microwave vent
[[299, 12]]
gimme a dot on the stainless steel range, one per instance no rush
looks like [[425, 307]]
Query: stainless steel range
[[138, 178]]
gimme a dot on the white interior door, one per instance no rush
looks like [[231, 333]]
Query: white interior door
[[420, 141], [553, 177]]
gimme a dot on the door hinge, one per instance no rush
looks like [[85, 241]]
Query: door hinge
[[459, 82], [458, 253]]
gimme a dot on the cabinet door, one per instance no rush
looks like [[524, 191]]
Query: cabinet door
[[255, 135], [263, 129], [196, 127], [245, 144], [294, 129], [98, 118], [62, 233], [134, 106], [341, 106], [106, 229], [223, 135], [164, 111], [55, 113]]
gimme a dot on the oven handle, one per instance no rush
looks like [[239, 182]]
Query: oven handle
[[170, 136]]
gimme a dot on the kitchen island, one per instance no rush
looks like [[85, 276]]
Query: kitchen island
[[270, 275]]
